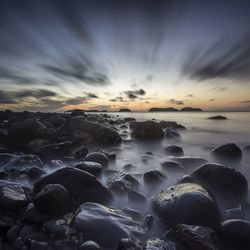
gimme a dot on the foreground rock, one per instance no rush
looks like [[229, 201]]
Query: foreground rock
[[189, 161], [187, 203], [53, 199], [81, 185], [97, 157], [174, 150], [78, 129], [146, 130], [236, 234], [198, 238], [13, 196], [223, 181], [227, 152], [104, 225]]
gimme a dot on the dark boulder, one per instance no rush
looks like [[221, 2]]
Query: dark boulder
[[88, 132], [171, 133], [217, 117], [25, 161], [198, 238], [189, 161], [227, 152], [236, 234], [174, 150], [222, 180], [78, 112], [123, 182], [93, 168], [172, 167], [55, 151], [53, 199], [147, 130], [153, 177], [93, 220], [97, 157], [13, 196], [90, 245], [186, 204], [81, 185]]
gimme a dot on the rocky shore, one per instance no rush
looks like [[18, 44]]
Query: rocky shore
[[62, 187]]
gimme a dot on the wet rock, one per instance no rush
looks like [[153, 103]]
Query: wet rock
[[187, 179], [246, 149], [236, 234], [55, 151], [93, 168], [186, 204], [93, 219], [36, 143], [133, 213], [154, 177], [23, 132], [5, 150], [10, 161], [13, 233], [38, 245], [88, 132], [78, 112], [136, 198], [158, 244], [129, 167], [222, 180], [6, 222], [97, 157], [217, 117], [81, 185], [167, 124], [57, 228], [123, 182], [146, 130], [173, 167], [227, 152], [17, 244], [198, 238], [174, 150], [53, 199], [79, 155], [171, 133], [90, 245], [129, 119], [26, 232], [13, 195], [34, 173], [126, 244], [189, 161]]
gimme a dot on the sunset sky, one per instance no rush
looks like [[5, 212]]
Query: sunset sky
[[57, 55]]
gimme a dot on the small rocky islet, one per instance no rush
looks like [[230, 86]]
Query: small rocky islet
[[61, 187]]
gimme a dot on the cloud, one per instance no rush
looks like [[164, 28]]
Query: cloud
[[134, 94], [247, 101], [91, 95], [219, 89], [176, 102], [220, 61], [212, 100], [190, 95], [117, 99]]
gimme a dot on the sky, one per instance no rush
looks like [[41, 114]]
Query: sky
[[57, 55]]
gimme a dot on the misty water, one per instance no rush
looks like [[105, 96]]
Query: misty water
[[200, 137]]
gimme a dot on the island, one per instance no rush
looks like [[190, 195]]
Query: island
[[170, 109], [190, 109], [217, 117]]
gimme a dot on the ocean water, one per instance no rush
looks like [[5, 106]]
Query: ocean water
[[200, 137]]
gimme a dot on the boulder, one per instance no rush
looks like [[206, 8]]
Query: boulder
[[13, 196], [146, 130], [217, 117], [81, 185], [174, 150], [189, 161], [55, 151], [129, 167], [171, 133], [53, 199], [198, 238], [222, 181], [78, 112], [23, 132], [97, 157], [153, 177], [236, 234], [172, 167], [90, 245], [104, 225], [123, 182], [186, 203], [25, 161], [227, 152], [93, 168], [88, 132]]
